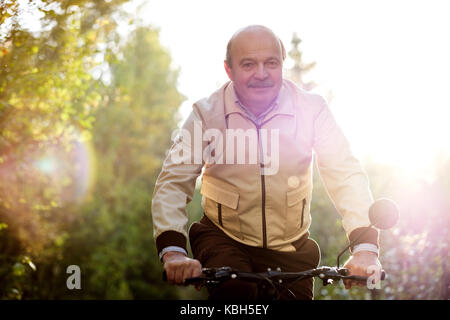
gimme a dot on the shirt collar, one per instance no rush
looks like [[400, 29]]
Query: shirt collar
[[251, 114], [282, 104]]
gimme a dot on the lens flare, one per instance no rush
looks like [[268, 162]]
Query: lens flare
[[46, 165], [71, 172], [85, 170]]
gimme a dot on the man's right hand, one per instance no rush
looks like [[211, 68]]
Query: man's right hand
[[179, 267]]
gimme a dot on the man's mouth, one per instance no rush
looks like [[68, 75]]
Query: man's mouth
[[261, 85]]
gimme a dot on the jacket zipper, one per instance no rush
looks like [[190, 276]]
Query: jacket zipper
[[263, 189], [303, 211], [219, 213]]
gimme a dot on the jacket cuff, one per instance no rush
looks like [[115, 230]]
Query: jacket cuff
[[369, 236], [170, 238]]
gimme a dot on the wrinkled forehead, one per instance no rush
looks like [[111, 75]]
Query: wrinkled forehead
[[255, 42]]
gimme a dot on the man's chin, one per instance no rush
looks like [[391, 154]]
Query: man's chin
[[263, 98], [263, 103]]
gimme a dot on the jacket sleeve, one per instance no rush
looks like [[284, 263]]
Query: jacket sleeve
[[343, 176], [175, 185]]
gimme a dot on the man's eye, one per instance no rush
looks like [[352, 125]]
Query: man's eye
[[272, 63], [247, 65]]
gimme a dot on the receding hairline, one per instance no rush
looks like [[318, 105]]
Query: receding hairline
[[251, 28]]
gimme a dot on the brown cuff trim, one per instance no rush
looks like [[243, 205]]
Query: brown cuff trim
[[370, 236], [170, 238]]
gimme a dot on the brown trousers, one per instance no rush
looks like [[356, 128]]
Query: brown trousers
[[213, 248]]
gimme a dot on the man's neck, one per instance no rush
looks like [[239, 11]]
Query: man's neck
[[256, 110]]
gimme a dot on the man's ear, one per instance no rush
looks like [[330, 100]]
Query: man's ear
[[227, 70]]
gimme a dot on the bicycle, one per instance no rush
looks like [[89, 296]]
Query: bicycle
[[271, 285]]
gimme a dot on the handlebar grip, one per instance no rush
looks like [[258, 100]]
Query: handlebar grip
[[364, 278], [193, 281], [187, 281]]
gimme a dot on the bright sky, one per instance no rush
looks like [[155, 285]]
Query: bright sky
[[386, 63]]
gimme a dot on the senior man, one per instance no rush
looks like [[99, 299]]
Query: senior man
[[257, 213]]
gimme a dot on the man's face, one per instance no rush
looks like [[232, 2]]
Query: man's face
[[256, 69]]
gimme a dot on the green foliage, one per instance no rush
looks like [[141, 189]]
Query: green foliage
[[49, 101], [130, 135], [47, 95]]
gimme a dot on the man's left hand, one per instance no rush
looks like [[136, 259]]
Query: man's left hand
[[358, 263]]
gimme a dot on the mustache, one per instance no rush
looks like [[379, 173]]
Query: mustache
[[261, 84]]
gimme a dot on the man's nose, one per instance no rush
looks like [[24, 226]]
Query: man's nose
[[261, 72]]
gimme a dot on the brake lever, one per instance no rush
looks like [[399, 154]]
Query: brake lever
[[328, 274], [211, 276]]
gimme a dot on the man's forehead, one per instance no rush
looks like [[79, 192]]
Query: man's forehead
[[259, 54], [256, 41]]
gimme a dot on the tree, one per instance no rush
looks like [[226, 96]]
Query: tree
[[47, 99], [130, 135], [299, 68]]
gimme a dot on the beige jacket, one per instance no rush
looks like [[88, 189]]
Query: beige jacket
[[260, 203]]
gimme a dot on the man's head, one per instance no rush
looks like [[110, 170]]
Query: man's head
[[254, 62]]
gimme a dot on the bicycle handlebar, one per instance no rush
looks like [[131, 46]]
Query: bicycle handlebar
[[215, 276]]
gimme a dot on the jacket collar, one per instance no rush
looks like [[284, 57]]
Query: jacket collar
[[283, 106]]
